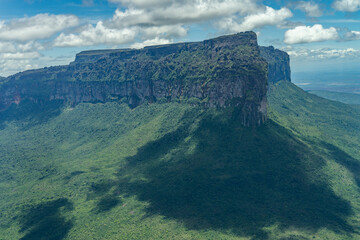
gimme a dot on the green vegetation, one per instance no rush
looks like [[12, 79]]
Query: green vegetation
[[348, 98], [175, 171]]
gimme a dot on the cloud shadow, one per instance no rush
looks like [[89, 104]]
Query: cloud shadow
[[45, 221]]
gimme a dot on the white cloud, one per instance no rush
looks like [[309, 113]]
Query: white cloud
[[16, 62], [19, 55], [151, 42], [8, 67], [13, 62], [30, 46], [324, 53], [40, 26], [312, 9], [337, 53], [352, 35], [182, 12], [307, 34], [99, 34], [347, 5], [166, 31], [12, 47], [144, 20], [7, 47], [15, 57], [268, 17], [190, 9]]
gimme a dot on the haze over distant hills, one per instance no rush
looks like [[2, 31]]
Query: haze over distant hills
[[330, 80], [348, 98]]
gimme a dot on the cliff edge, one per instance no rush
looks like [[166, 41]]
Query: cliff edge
[[227, 71], [279, 64]]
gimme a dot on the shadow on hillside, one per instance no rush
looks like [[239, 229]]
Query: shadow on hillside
[[345, 159], [31, 114], [105, 200], [45, 221], [236, 178]]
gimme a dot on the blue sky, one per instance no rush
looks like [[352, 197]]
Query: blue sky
[[318, 35]]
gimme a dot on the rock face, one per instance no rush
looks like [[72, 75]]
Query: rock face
[[223, 72], [279, 64]]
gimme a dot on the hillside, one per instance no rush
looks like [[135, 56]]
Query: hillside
[[177, 171], [348, 98]]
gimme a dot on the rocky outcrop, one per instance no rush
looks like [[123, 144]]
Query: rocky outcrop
[[279, 64], [223, 72]]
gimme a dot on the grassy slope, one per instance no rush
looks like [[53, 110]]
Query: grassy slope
[[172, 171], [348, 98]]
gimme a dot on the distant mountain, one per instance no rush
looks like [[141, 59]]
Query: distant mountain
[[349, 98]]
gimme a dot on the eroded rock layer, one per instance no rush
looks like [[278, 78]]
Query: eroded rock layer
[[227, 71]]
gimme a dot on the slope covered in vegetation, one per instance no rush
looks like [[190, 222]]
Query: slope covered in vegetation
[[348, 98], [175, 171]]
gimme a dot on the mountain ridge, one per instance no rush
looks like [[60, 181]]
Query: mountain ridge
[[228, 71]]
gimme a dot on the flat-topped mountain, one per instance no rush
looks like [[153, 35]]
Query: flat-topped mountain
[[182, 167], [227, 71]]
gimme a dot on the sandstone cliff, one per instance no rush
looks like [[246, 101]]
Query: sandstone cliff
[[223, 72], [279, 64]]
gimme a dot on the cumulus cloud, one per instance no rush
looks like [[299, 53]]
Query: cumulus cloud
[[92, 35], [181, 12], [310, 8], [268, 17], [37, 27], [151, 42], [11, 63], [167, 21], [143, 20], [12, 47], [17, 57], [347, 5], [12, 66], [167, 31], [307, 34]]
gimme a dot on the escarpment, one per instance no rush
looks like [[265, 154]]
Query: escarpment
[[227, 71], [279, 64]]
